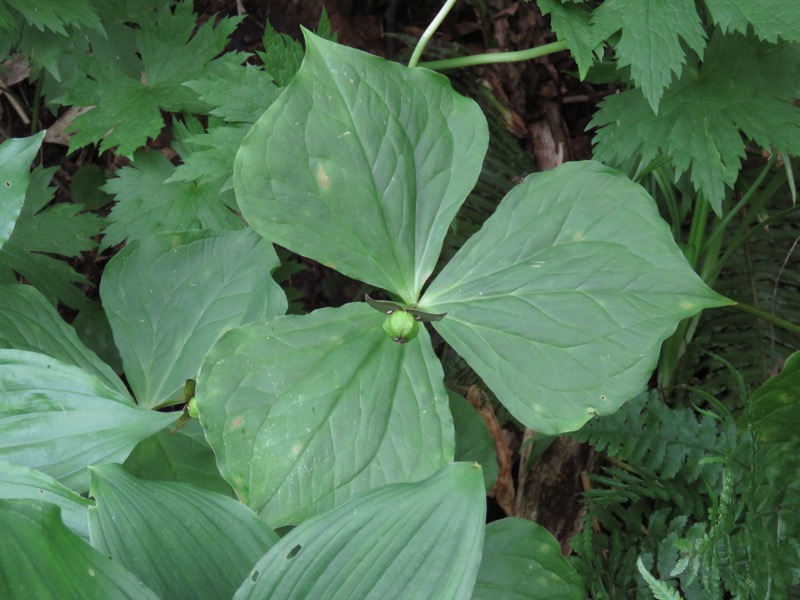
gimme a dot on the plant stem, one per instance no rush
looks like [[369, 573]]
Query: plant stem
[[428, 33], [769, 317], [495, 57]]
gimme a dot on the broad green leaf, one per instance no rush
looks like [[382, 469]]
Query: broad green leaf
[[361, 164], [25, 483], [771, 20], [774, 409], [59, 419], [306, 411], [561, 301], [521, 560], [184, 542], [474, 443], [41, 558], [652, 39], [169, 297], [692, 129], [175, 456], [16, 155], [29, 322], [149, 202], [413, 540]]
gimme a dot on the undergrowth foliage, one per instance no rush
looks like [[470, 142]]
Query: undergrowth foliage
[[214, 446]]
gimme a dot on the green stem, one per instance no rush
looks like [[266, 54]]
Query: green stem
[[37, 103], [428, 33], [768, 317], [495, 57]]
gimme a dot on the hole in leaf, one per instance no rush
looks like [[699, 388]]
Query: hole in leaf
[[294, 552], [8, 184], [254, 576]]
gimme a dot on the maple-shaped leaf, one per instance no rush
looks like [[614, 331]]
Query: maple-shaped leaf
[[128, 107], [744, 87], [771, 20], [651, 39], [53, 15], [41, 231], [571, 22], [210, 160], [147, 203], [238, 94]]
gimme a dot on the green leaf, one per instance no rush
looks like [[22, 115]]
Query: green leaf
[[169, 297], [25, 483], [210, 161], [561, 301], [774, 409], [149, 202], [237, 93], [571, 22], [361, 164], [282, 55], [59, 419], [771, 20], [182, 541], [41, 558], [757, 82], [522, 560], [175, 456], [474, 443], [29, 322], [171, 50], [653, 34], [413, 540], [55, 14], [58, 229], [16, 155], [306, 411]]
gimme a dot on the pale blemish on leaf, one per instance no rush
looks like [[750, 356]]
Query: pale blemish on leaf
[[237, 422], [323, 181], [686, 305], [297, 449]]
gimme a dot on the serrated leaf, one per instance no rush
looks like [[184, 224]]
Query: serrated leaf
[[361, 164], [184, 542], [755, 81], [56, 418], [40, 230], [24, 483], [36, 542], [175, 456], [651, 41], [521, 559], [169, 297], [561, 301], [172, 50], [771, 20], [211, 158], [571, 22], [238, 94], [16, 155], [281, 57], [147, 202], [29, 322], [306, 411], [414, 540], [54, 15]]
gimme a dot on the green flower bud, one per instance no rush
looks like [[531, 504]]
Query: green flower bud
[[401, 326], [192, 409]]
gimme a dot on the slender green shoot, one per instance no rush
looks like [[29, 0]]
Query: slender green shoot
[[768, 317], [428, 33], [494, 57]]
